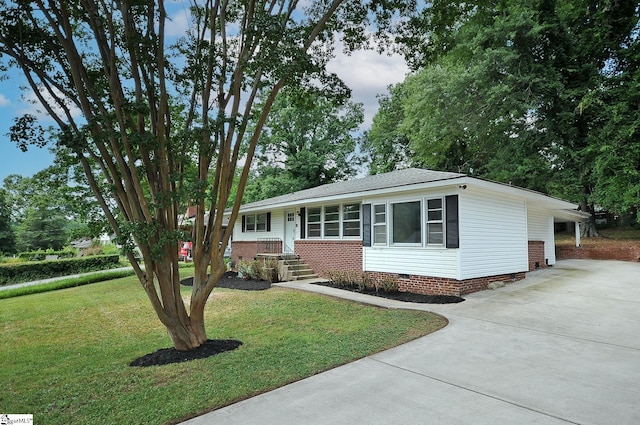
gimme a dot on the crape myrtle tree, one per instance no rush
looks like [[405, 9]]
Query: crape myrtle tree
[[115, 84]]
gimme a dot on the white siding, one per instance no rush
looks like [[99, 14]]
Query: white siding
[[540, 228], [493, 234], [414, 261], [277, 228], [420, 261]]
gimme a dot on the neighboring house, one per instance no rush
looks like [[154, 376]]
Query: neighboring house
[[433, 232]]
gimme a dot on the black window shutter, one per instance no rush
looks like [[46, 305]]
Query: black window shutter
[[303, 223], [268, 222], [244, 222], [453, 235], [366, 224]]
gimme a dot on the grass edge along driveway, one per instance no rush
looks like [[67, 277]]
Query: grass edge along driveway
[[65, 354]]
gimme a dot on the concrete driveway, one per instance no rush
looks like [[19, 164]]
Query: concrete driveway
[[561, 346]]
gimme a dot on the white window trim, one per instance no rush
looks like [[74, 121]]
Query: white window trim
[[442, 221], [308, 223], [385, 224], [343, 220], [340, 222]]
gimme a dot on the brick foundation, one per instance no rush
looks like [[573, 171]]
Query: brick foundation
[[536, 255], [324, 256], [443, 286]]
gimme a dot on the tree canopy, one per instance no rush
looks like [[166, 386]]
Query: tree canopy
[[542, 94], [158, 123], [308, 140]]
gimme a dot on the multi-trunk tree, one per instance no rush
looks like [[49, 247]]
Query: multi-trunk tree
[[158, 123]]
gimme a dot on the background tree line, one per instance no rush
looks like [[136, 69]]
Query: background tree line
[[544, 95]]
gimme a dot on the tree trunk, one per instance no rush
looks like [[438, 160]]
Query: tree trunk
[[189, 338], [588, 228]]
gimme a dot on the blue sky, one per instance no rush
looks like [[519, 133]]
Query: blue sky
[[367, 73], [12, 159]]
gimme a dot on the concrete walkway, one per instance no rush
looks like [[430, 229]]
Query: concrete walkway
[[561, 346]]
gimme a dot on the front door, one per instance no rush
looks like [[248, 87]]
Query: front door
[[289, 231]]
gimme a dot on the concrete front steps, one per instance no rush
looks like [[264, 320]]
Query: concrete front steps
[[291, 267], [296, 269]]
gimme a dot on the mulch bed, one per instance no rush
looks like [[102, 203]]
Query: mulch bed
[[167, 356], [400, 296], [230, 280]]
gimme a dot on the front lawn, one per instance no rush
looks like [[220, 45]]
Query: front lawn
[[65, 355]]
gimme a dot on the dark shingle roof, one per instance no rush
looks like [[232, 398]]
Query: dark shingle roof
[[398, 178]]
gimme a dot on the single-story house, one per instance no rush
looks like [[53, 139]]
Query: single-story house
[[433, 232]]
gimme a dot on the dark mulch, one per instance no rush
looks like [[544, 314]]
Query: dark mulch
[[167, 356], [231, 280], [401, 296]]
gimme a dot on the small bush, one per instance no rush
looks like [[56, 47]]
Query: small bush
[[349, 278], [269, 270], [259, 270], [388, 284]]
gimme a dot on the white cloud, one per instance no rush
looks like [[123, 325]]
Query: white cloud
[[178, 23], [31, 105], [3, 100], [368, 74]]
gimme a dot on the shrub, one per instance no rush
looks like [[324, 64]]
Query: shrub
[[348, 278], [269, 270], [388, 284], [259, 270], [36, 270]]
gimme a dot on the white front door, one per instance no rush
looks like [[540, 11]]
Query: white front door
[[289, 231]]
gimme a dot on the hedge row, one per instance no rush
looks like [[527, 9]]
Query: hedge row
[[42, 254], [37, 270]]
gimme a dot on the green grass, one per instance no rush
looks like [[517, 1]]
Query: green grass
[[65, 354]]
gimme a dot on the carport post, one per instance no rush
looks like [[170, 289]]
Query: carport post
[[577, 234]]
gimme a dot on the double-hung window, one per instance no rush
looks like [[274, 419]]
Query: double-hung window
[[380, 224], [351, 220], [314, 222], [332, 221], [435, 225], [250, 223]]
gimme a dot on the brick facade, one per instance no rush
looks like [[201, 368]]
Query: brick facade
[[243, 250], [536, 255], [323, 256], [443, 286]]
